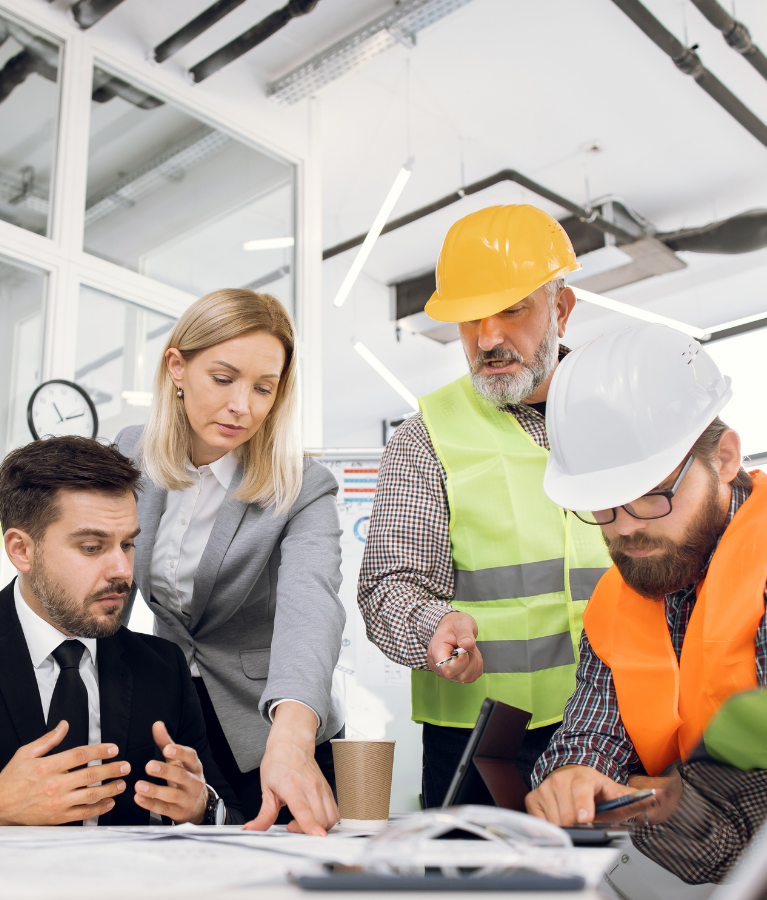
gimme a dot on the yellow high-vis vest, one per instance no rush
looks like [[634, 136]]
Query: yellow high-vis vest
[[524, 569]]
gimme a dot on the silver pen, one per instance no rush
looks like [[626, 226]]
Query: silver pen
[[459, 651]]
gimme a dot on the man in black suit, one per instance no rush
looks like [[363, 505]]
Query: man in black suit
[[112, 698]]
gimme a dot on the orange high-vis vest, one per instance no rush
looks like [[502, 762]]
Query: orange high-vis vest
[[666, 705]]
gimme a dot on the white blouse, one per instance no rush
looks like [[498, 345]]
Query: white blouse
[[182, 535]]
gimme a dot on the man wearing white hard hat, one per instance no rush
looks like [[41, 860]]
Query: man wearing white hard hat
[[677, 625], [465, 552]]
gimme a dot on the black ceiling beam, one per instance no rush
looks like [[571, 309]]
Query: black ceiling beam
[[194, 29], [251, 38], [88, 12], [590, 216]]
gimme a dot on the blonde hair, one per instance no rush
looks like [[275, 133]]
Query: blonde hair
[[272, 460]]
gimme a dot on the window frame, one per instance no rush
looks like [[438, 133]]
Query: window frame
[[61, 253]]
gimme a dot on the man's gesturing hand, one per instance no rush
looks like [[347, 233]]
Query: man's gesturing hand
[[185, 797], [36, 789], [568, 795], [456, 629], [291, 777]]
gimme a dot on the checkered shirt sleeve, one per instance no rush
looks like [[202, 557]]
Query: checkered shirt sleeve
[[721, 809], [592, 731], [406, 578]]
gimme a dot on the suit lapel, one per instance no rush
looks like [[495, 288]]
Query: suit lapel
[[151, 503], [224, 528], [18, 684], [115, 691]]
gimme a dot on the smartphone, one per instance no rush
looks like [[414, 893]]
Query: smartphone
[[625, 800]]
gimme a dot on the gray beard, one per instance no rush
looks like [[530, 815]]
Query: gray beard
[[511, 389], [69, 614]]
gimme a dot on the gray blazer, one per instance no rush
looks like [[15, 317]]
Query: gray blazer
[[266, 620]]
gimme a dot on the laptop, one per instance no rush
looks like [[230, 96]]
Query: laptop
[[486, 774]]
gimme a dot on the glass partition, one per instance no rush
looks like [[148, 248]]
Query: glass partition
[[29, 72], [178, 200], [22, 301], [118, 349]]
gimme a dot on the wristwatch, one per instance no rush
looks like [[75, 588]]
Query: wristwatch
[[215, 809]]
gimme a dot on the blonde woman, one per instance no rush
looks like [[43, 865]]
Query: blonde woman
[[239, 553]]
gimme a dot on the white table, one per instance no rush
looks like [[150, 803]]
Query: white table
[[98, 864]]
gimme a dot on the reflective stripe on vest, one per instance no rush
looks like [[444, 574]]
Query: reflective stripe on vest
[[523, 569], [666, 705], [525, 580]]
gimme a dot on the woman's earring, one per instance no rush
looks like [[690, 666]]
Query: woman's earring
[[180, 393]]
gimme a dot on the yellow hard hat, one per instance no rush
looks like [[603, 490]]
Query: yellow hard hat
[[494, 258]]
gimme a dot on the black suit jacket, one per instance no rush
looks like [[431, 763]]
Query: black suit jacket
[[142, 679]]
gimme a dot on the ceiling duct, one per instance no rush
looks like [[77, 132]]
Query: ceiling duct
[[399, 26], [687, 61], [18, 68], [38, 56], [41, 57], [194, 29], [743, 233], [735, 33], [107, 87], [251, 38], [88, 12]]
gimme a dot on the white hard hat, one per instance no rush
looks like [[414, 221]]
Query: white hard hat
[[623, 411]]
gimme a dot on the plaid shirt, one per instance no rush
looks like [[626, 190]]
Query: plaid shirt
[[592, 731], [406, 579], [720, 810]]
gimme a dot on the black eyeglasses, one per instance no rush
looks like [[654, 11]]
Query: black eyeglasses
[[650, 506]]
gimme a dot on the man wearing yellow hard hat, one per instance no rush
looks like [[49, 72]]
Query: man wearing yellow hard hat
[[464, 550]]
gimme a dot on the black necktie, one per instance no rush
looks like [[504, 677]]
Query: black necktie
[[70, 697]]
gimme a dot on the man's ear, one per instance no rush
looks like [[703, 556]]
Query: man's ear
[[729, 458], [20, 549], [565, 304]]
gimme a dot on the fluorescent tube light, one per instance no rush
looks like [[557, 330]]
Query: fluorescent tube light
[[637, 313], [759, 317], [269, 244], [137, 398], [372, 236], [387, 376]]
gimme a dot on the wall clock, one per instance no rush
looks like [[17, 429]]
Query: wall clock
[[61, 407]]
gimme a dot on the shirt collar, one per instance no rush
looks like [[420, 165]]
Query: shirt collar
[[42, 638], [223, 469]]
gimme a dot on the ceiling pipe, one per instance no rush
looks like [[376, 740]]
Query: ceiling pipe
[[88, 12], [194, 29], [689, 62], [735, 33], [251, 38], [590, 216]]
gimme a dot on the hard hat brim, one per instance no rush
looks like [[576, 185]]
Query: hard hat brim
[[468, 309], [613, 487]]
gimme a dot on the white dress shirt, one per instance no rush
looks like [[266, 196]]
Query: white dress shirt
[[182, 535], [42, 639]]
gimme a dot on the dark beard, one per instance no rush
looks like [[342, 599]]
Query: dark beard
[[71, 615], [681, 564]]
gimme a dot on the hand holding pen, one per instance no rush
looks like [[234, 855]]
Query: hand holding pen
[[453, 653]]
